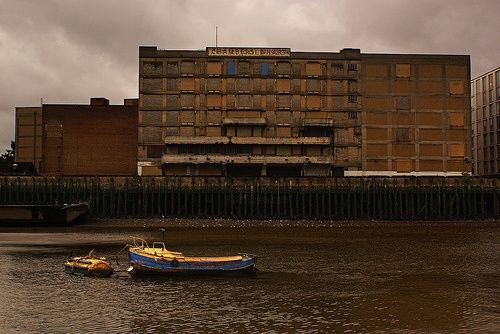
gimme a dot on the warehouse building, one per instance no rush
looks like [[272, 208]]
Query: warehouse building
[[28, 152], [274, 112], [79, 139], [485, 101]]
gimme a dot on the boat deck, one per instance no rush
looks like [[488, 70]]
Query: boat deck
[[170, 255]]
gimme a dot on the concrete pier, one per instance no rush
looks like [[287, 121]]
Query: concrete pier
[[430, 198]]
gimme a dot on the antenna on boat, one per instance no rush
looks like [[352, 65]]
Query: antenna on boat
[[163, 235]]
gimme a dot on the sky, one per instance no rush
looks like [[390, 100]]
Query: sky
[[66, 51]]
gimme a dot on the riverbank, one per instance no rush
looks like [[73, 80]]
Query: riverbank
[[152, 224]]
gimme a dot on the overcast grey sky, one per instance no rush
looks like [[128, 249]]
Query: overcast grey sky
[[67, 51]]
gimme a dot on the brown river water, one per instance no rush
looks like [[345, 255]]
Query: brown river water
[[331, 278]]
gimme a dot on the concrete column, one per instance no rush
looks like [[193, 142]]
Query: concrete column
[[263, 171]]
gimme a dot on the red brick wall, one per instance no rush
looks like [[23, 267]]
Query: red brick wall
[[89, 140]]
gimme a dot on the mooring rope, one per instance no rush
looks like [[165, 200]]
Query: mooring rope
[[121, 250]]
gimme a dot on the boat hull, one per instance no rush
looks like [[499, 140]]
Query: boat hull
[[142, 264], [88, 267]]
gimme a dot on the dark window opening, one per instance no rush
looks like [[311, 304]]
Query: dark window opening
[[283, 171], [233, 170], [403, 134], [154, 151], [313, 131]]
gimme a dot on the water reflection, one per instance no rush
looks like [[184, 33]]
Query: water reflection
[[352, 279]]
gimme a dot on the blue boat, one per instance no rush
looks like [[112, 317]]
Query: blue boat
[[159, 260]]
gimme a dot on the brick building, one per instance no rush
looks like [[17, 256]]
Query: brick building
[[485, 102], [94, 139], [263, 111], [29, 136]]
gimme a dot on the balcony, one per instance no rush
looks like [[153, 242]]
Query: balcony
[[244, 121], [244, 159], [186, 140]]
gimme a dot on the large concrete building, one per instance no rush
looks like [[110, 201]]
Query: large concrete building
[[269, 111], [79, 139], [485, 101]]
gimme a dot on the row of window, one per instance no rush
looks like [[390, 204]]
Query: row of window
[[486, 84], [485, 123], [188, 101], [247, 84], [246, 68]]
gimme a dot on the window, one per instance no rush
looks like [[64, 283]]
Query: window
[[244, 101], [214, 84], [264, 69], [403, 71], [154, 151], [244, 68], [353, 98], [352, 84], [352, 67], [313, 69], [283, 69], [403, 102], [172, 68], [402, 134], [213, 68], [187, 68], [456, 87], [353, 115], [187, 101], [172, 84], [231, 67], [153, 67], [338, 69], [173, 102]]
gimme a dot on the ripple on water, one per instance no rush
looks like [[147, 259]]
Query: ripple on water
[[318, 280]]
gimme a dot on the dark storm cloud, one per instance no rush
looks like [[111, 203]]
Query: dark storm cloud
[[67, 51]]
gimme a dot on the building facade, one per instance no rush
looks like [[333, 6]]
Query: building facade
[[29, 136], [485, 102], [268, 111], [89, 139]]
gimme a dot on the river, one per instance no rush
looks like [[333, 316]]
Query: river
[[352, 278]]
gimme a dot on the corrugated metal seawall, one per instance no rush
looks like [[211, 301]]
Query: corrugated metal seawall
[[323, 198]]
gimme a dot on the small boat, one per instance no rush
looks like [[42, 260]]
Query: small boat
[[89, 265], [159, 260]]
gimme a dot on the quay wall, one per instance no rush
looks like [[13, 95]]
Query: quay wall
[[347, 198]]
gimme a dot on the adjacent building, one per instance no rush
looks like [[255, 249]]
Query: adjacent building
[[79, 139], [29, 137], [93, 139], [274, 112], [485, 101]]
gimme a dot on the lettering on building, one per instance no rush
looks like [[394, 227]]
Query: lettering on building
[[248, 52]]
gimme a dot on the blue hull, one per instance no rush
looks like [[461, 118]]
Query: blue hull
[[141, 264]]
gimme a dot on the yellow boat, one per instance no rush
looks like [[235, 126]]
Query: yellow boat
[[89, 265]]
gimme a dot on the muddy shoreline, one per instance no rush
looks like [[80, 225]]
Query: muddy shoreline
[[134, 224]]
